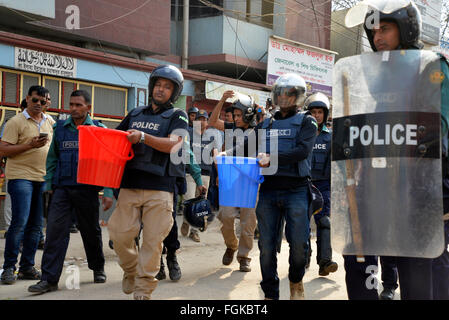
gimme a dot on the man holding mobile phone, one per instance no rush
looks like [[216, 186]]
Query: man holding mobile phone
[[25, 169]]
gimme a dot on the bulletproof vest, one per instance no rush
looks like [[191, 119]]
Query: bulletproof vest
[[321, 157], [146, 158], [287, 131], [203, 158], [67, 165]]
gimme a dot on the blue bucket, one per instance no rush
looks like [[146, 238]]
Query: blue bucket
[[238, 181]]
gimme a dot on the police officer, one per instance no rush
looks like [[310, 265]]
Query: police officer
[[318, 105], [285, 194], [70, 196], [148, 183], [171, 242], [419, 278], [192, 112], [204, 142], [245, 119]]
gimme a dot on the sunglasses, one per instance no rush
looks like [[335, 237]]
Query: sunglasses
[[35, 100]]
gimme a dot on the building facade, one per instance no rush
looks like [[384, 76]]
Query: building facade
[[110, 48]]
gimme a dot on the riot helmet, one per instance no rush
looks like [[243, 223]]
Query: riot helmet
[[171, 73], [287, 86], [198, 213], [246, 104], [318, 100], [192, 110], [404, 13]]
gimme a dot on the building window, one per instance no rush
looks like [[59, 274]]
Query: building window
[[53, 86], [109, 102], [197, 9], [14, 86]]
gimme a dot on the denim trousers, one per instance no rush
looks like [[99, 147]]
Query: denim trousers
[[273, 206], [26, 222]]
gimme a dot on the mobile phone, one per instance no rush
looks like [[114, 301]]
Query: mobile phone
[[43, 135]]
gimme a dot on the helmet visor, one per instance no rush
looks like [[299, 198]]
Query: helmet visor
[[244, 99], [287, 96], [357, 14]]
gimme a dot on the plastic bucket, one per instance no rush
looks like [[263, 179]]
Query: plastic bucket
[[238, 181], [102, 156]]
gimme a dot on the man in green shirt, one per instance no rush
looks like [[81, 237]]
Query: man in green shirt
[[69, 195]]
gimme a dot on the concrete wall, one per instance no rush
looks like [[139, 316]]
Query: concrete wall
[[216, 35], [347, 42], [253, 38], [123, 23], [43, 8], [205, 36], [103, 73]]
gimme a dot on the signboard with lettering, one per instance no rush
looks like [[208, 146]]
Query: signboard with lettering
[[314, 65], [215, 90], [43, 62]]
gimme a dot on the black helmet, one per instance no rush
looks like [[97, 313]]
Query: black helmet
[[192, 110], [289, 84], [318, 100], [167, 72], [246, 104], [198, 213], [404, 13]]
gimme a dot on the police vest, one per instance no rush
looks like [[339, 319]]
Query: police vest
[[203, 158], [146, 158], [287, 133], [321, 157], [67, 166]]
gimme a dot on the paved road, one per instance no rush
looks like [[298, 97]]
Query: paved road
[[204, 276]]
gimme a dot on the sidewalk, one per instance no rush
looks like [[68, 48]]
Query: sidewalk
[[203, 275]]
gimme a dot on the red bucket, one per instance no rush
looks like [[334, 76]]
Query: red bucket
[[102, 156]]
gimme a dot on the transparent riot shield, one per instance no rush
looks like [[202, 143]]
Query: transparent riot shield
[[386, 155]]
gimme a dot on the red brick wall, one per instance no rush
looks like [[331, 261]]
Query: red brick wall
[[303, 27], [147, 29]]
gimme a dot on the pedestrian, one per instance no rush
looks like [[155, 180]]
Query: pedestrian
[[52, 121], [389, 277], [205, 142], [148, 183], [192, 115], [229, 115], [244, 119], [284, 195], [26, 142], [171, 242], [69, 196], [399, 28], [318, 105]]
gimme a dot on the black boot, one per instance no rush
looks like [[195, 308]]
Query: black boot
[[161, 274], [174, 271], [324, 249], [387, 294]]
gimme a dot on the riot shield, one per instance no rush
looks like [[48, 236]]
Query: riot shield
[[386, 178]]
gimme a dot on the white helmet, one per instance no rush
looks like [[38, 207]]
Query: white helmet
[[289, 84], [404, 13]]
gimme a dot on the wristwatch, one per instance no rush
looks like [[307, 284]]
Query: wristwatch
[[142, 137]]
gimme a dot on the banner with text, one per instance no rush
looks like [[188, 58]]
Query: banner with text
[[313, 65], [43, 62], [215, 90]]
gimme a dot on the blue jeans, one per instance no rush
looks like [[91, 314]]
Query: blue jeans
[[26, 222], [273, 205]]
